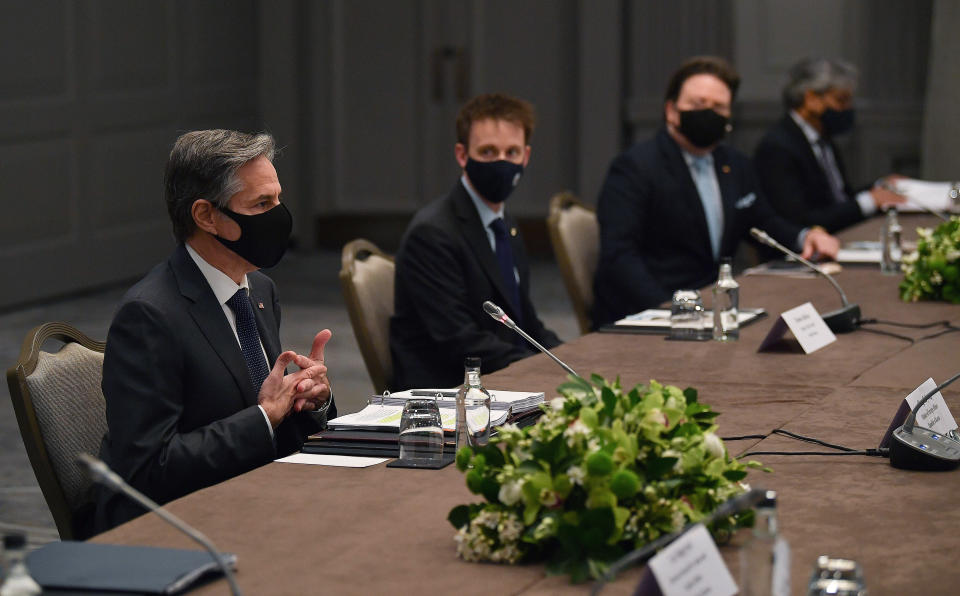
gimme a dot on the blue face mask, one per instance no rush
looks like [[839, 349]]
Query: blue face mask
[[494, 180], [837, 122]]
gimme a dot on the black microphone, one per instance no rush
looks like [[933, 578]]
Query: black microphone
[[917, 448], [100, 472], [497, 313], [732, 505], [843, 320]]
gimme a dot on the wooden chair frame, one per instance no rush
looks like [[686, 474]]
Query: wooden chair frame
[[23, 406], [361, 249], [558, 204]]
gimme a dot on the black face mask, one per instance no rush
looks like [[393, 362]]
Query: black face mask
[[837, 122], [704, 128], [494, 180], [263, 237]]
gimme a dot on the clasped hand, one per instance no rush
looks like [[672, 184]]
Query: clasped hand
[[304, 390]]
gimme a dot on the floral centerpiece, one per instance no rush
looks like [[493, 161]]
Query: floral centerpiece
[[933, 272], [602, 473]]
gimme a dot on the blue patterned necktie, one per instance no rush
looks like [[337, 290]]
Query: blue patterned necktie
[[505, 261], [712, 206], [249, 338]]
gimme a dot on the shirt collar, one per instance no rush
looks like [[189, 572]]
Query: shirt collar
[[223, 287], [487, 215], [808, 131], [698, 159]]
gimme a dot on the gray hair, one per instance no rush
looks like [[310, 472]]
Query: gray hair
[[817, 75], [203, 164]]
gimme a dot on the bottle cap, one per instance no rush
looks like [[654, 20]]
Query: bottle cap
[[14, 541], [726, 260], [471, 362], [769, 499]]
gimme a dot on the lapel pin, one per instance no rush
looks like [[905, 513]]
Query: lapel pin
[[726, 169], [260, 305], [513, 231]]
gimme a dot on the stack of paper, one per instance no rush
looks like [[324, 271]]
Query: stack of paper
[[387, 417], [932, 195], [515, 402]]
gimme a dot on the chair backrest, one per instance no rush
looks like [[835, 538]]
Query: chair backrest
[[366, 278], [575, 236], [61, 412]]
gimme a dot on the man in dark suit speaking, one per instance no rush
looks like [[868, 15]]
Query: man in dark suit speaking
[[672, 206], [798, 165], [464, 249], [193, 374]]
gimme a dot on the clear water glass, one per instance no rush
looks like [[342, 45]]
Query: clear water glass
[[836, 577], [686, 315], [421, 432]]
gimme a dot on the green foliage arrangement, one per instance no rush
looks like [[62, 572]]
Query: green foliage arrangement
[[933, 272], [602, 472]]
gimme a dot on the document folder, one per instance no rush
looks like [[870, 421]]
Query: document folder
[[105, 568]]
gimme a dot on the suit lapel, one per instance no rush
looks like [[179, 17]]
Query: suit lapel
[[207, 313], [476, 237], [811, 163], [690, 195]]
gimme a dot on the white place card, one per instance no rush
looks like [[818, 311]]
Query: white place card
[[691, 565], [807, 326], [934, 414]]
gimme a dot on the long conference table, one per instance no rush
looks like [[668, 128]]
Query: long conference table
[[303, 529]]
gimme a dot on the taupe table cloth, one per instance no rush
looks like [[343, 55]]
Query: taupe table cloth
[[300, 529]]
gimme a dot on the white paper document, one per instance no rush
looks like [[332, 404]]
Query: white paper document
[[692, 565], [660, 317], [932, 195], [340, 461], [515, 401], [934, 414], [387, 417]]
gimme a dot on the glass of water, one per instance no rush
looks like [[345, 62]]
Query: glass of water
[[836, 577], [421, 432], [686, 315]]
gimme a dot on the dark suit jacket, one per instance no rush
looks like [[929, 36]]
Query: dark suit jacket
[[445, 271], [795, 184], [181, 410], [653, 230]]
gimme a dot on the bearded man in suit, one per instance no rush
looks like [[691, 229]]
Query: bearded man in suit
[[672, 206]]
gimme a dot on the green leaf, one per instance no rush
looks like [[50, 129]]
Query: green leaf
[[735, 475], [690, 394], [459, 516], [657, 467], [589, 417], [609, 401], [490, 489]]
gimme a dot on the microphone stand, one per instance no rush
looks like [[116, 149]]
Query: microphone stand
[[842, 320], [498, 314], [100, 472]]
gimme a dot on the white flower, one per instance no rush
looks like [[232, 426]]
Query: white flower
[[713, 445], [557, 403], [677, 519], [510, 492], [510, 529], [576, 474]]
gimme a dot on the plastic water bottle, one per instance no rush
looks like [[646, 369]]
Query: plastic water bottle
[[890, 240], [765, 558], [473, 407], [18, 581], [726, 304]]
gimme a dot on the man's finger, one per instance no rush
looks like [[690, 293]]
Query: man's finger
[[283, 361], [304, 362], [319, 343]]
